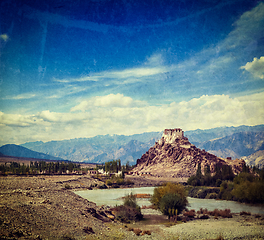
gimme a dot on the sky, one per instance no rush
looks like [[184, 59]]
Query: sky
[[76, 69]]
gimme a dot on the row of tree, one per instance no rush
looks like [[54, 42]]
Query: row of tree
[[115, 166], [38, 167], [247, 186], [222, 173]]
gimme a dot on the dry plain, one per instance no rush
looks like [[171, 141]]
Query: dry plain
[[41, 207]]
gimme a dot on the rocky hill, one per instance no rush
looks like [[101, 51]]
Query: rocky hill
[[174, 156]]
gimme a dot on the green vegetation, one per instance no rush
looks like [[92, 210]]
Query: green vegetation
[[39, 167], [129, 211], [116, 174], [222, 173], [170, 199], [113, 166], [248, 186], [116, 181]]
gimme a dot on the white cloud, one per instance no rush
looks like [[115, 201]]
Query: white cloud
[[4, 37], [17, 120], [105, 115], [111, 100], [256, 67]]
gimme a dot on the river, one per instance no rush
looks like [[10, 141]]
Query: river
[[112, 197]]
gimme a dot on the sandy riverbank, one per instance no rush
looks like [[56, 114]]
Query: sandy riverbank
[[44, 208]]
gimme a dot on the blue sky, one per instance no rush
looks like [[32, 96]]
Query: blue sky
[[87, 68]]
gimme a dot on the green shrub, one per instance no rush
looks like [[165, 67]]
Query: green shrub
[[171, 201], [226, 188], [127, 214], [169, 196], [67, 186], [129, 211], [203, 192], [218, 182], [250, 192], [120, 181], [130, 201], [109, 182], [193, 180], [211, 196], [160, 191]]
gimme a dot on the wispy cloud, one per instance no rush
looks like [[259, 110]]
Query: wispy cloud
[[223, 59], [21, 96], [120, 76], [248, 28]]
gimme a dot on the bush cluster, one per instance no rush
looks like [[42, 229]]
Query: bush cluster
[[129, 211], [203, 192], [170, 199], [216, 213], [116, 182], [189, 214], [248, 186], [139, 232]]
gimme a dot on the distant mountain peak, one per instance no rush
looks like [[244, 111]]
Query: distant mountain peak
[[20, 151]]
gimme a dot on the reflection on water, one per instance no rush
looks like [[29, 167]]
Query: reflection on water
[[111, 197]]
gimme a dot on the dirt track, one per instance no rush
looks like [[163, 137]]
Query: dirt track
[[45, 207]]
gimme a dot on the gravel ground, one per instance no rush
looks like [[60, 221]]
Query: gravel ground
[[238, 227], [45, 207]]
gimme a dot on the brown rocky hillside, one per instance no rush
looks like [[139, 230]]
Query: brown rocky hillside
[[173, 156]]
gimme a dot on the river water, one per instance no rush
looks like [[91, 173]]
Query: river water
[[112, 197]]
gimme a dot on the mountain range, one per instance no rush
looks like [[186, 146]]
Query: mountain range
[[235, 142], [19, 151]]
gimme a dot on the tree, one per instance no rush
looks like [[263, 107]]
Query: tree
[[107, 166], [170, 188], [199, 171], [128, 167], [172, 203], [119, 165], [207, 170]]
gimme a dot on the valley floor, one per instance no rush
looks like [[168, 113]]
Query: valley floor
[[45, 207]]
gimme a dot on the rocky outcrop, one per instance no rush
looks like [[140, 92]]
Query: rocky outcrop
[[173, 156]]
